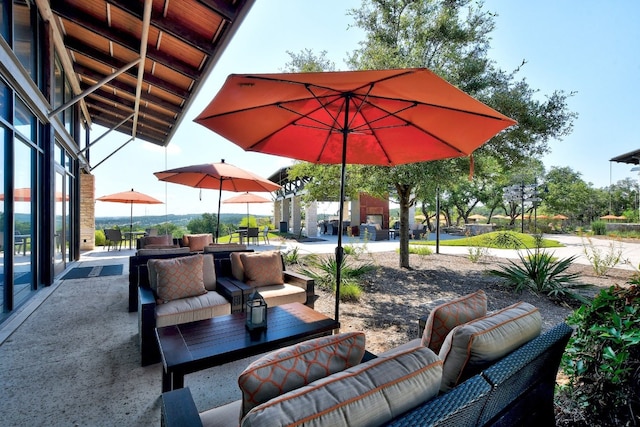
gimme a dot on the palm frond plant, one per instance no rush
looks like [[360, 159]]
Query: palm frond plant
[[322, 269]]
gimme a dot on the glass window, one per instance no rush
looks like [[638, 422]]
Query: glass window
[[24, 203], [5, 22], [25, 121], [5, 101], [68, 112], [24, 36], [4, 239]]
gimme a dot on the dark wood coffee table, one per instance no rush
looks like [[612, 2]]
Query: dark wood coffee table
[[194, 346]]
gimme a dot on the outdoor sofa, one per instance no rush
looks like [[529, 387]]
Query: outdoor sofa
[[225, 294], [493, 370]]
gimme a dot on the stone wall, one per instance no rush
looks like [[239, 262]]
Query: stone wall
[[87, 212], [622, 226]]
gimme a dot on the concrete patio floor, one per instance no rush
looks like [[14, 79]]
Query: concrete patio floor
[[70, 356]]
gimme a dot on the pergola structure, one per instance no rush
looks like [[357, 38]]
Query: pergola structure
[[632, 157]]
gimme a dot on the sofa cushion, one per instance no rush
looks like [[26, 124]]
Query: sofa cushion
[[224, 247], [298, 365], [164, 240], [470, 347], [447, 316], [262, 268], [161, 251], [190, 309], [237, 270], [208, 273], [275, 295], [197, 242], [179, 277], [368, 394]]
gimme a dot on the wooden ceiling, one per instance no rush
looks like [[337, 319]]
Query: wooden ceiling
[[179, 41]]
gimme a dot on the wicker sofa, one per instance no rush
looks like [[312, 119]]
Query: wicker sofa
[[515, 390], [227, 290]]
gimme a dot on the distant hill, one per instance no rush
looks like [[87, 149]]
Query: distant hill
[[149, 220]]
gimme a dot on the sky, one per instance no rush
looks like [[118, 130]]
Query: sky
[[586, 47]]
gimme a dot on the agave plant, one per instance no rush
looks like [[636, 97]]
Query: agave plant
[[541, 273], [323, 269]]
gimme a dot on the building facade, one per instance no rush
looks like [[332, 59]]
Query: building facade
[[65, 65], [40, 164]]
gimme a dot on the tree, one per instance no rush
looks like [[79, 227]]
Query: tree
[[570, 195], [452, 39], [206, 224]]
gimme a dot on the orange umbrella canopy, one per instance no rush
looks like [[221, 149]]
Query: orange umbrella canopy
[[373, 117], [609, 216], [389, 117], [130, 197], [560, 216], [220, 176], [247, 198]]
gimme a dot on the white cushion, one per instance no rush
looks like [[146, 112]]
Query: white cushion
[[190, 309]]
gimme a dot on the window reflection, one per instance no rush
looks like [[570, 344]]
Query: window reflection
[[23, 36], [24, 201]]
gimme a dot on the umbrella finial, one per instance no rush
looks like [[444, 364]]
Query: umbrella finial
[[221, 160]]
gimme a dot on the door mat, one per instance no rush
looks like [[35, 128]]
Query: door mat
[[97, 271]]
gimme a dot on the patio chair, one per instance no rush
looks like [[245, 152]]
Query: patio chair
[[265, 235], [253, 233], [114, 238]]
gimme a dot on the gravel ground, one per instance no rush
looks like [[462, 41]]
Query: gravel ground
[[394, 299]]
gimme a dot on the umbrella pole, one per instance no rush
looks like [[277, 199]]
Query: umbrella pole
[[218, 217], [343, 175], [131, 224]]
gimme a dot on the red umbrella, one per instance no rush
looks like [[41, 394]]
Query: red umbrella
[[24, 195], [130, 197], [220, 176], [247, 198], [376, 117]]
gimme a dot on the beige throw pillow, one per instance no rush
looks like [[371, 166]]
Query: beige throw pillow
[[262, 268], [237, 270], [473, 346], [447, 316], [179, 277]]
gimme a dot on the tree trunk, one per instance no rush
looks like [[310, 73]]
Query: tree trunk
[[404, 196]]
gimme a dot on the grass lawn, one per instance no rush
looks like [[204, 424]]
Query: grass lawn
[[497, 240]]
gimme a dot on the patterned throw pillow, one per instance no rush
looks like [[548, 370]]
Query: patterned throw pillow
[[297, 365], [179, 277], [470, 348], [368, 394], [447, 316], [262, 269]]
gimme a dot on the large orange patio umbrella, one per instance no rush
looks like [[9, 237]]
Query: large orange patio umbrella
[[130, 197], [218, 176], [247, 198], [375, 117]]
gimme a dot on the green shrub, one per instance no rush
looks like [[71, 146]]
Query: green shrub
[[541, 273], [599, 228], [476, 253], [323, 268], [602, 262], [602, 359], [100, 238], [420, 250], [291, 256]]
